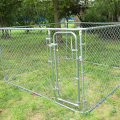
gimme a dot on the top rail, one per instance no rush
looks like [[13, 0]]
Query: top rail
[[98, 23], [73, 29]]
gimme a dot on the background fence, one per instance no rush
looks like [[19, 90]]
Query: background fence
[[74, 67]]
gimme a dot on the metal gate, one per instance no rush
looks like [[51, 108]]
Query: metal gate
[[57, 79]]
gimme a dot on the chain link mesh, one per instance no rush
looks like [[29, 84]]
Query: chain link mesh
[[77, 68]]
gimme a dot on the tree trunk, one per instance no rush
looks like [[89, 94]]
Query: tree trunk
[[116, 13], [5, 33], [57, 18], [67, 22], [116, 10], [1, 25], [2, 34], [1, 21], [56, 13]]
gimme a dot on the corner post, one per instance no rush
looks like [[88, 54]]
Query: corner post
[[82, 71]]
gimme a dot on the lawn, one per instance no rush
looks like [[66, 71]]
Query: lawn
[[25, 58]]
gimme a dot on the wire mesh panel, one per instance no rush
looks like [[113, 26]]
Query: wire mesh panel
[[74, 67], [25, 60], [102, 62]]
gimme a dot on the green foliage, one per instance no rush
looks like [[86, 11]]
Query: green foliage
[[26, 12], [96, 13], [102, 11], [7, 11], [23, 12], [69, 7], [94, 17], [32, 12]]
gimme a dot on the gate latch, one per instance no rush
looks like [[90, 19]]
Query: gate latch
[[52, 44]]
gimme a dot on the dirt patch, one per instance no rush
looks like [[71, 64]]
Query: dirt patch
[[114, 96], [1, 72], [37, 116]]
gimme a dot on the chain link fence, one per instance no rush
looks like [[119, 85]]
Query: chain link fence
[[75, 67]]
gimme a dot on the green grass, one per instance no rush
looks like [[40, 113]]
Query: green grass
[[25, 60]]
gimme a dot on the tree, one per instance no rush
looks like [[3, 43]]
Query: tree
[[115, 8], [96, 13], [56, 13], [65, 8], [7, 8], [34, 12], [99, 10], [71, 7], [27, 12], [57, 18]]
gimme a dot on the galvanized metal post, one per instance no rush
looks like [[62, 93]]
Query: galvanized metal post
[[86, 73], [77, 68], [82, 71], [56, 71], [52, 70]]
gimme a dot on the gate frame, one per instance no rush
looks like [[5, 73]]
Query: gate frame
[[77, 66]]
